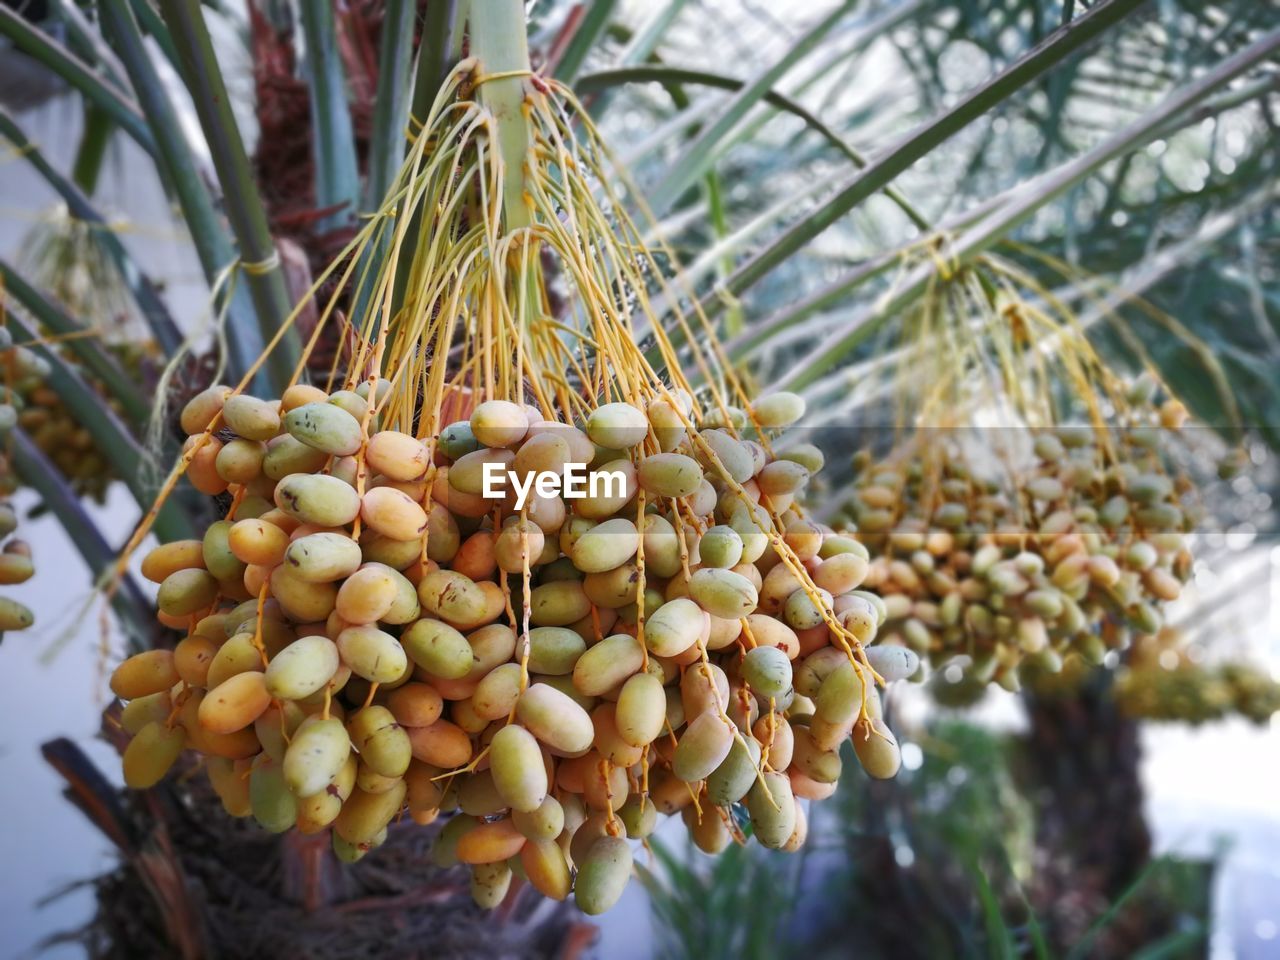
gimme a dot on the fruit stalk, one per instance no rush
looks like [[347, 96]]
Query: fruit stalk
[[264, 276], [501, 45]]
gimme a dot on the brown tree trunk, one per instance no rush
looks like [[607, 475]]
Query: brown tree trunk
[[1080, 770], [1080, 766], [194, 883]]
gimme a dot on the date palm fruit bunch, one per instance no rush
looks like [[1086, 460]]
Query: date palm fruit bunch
[[66, 259], [1073, 552], [68, 445], [1163, 679], [367, 632], [15, 567], [22, 370], [39, 409], [371, 629]]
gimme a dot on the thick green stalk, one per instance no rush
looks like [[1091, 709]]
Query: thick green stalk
[[95, 133], [112, 437], [720, 229], [85, 42], [390, 107], [1027, 200], [440, 29], [1227, 100], [91, 149], [154, 27], [263, 274], [584, 38], [757, 335], [718, 257], [674, 77], [437, 53], [639, 49], [102, 93], [500, 43], [697, 157], [87, 350], [1159, 265], [841, 61], [129, 603], [144, 292], [1056, 47], [647, 38], [1137, 134], [333, 142], [208, 232], [386, 146]]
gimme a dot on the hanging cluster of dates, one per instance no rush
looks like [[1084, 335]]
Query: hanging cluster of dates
[[505, 572], [22, 371], [1072, 550]]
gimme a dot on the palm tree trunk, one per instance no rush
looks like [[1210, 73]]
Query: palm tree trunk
[[194, 883], [1079, 766]]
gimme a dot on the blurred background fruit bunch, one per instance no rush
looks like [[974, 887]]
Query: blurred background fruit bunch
[[1069, 552], [24, 372]]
